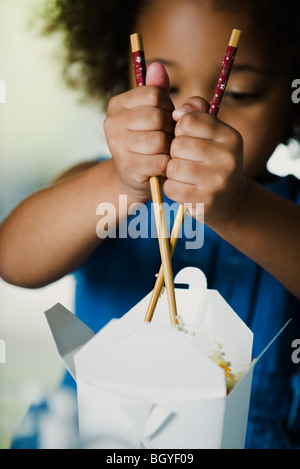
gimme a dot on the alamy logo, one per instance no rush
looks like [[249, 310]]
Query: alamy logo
[[2, 91], [2, 351], [141, 221], [296, 352]]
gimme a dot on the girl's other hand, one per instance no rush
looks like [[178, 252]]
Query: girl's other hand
[[206, 163], [139, 129]]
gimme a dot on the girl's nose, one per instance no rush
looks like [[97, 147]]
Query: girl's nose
[[195, 89], [200, 91]]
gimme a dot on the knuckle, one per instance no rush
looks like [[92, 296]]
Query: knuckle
[[176, 146], [209, 200], [154, 96], [200, 103], [157, 118], [204, 105], [171, 168], [184, 124], [229, 162], [237, 139], [161, 142], [158, 142], [107, 124], [162, 164], [219, 184], [213, 191], [111, 104], [113, 145], [170, 189]]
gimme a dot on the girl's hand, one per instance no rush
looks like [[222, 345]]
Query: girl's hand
[[206, 163], [139, 129]]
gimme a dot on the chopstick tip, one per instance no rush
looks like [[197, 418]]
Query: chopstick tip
[[235, 38], [136, 41]]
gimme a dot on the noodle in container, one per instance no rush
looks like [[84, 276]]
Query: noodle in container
[[153, 385]]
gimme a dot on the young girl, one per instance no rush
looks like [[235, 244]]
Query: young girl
[[251, 251]]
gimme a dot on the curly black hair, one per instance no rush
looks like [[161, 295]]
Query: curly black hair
[[96, 36]]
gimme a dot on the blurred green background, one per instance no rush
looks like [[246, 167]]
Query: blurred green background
[[43, 130]]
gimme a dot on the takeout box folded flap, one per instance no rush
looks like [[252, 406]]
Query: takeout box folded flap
[[180, 424], [69, 334], [270, 343], [149, 355], [149, 424], [149, 419], [102, 420], [143, 413], [166, 397]]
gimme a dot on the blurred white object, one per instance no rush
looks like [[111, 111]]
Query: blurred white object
[[58, 425], [286, 159], [2, 91]]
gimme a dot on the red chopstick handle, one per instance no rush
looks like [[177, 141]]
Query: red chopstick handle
[[222, 80], [139, 65]]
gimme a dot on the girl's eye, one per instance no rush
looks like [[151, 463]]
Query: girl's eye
[[243, 97], [174, 89]]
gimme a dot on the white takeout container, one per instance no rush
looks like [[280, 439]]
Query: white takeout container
[[148, 385]]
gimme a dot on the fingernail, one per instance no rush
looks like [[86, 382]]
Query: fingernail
[[181, 111]]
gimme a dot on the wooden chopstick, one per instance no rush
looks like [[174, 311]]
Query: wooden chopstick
[[156, 190], [160, 277], [213, 109]]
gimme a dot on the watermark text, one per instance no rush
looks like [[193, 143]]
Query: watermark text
[[140, 221], [296, 353], [2, 351], [2, 91]]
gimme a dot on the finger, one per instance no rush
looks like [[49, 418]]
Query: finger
[[193, 148], [195, 103], [197, 173], [202, 125], [148, 118], [182, 192], [149, 142], [146, 166], [157, 76], [187, 171], [140, 96]]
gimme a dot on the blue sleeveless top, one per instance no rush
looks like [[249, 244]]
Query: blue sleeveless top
[[122, 271]]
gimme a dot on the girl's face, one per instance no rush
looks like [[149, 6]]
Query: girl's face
[[190, 38]]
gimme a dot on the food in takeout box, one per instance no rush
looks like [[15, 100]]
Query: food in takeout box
[[153, 385], [231, 379], [217, 355]]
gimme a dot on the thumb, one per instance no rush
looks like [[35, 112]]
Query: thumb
[[157, 76], [195, 103]]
